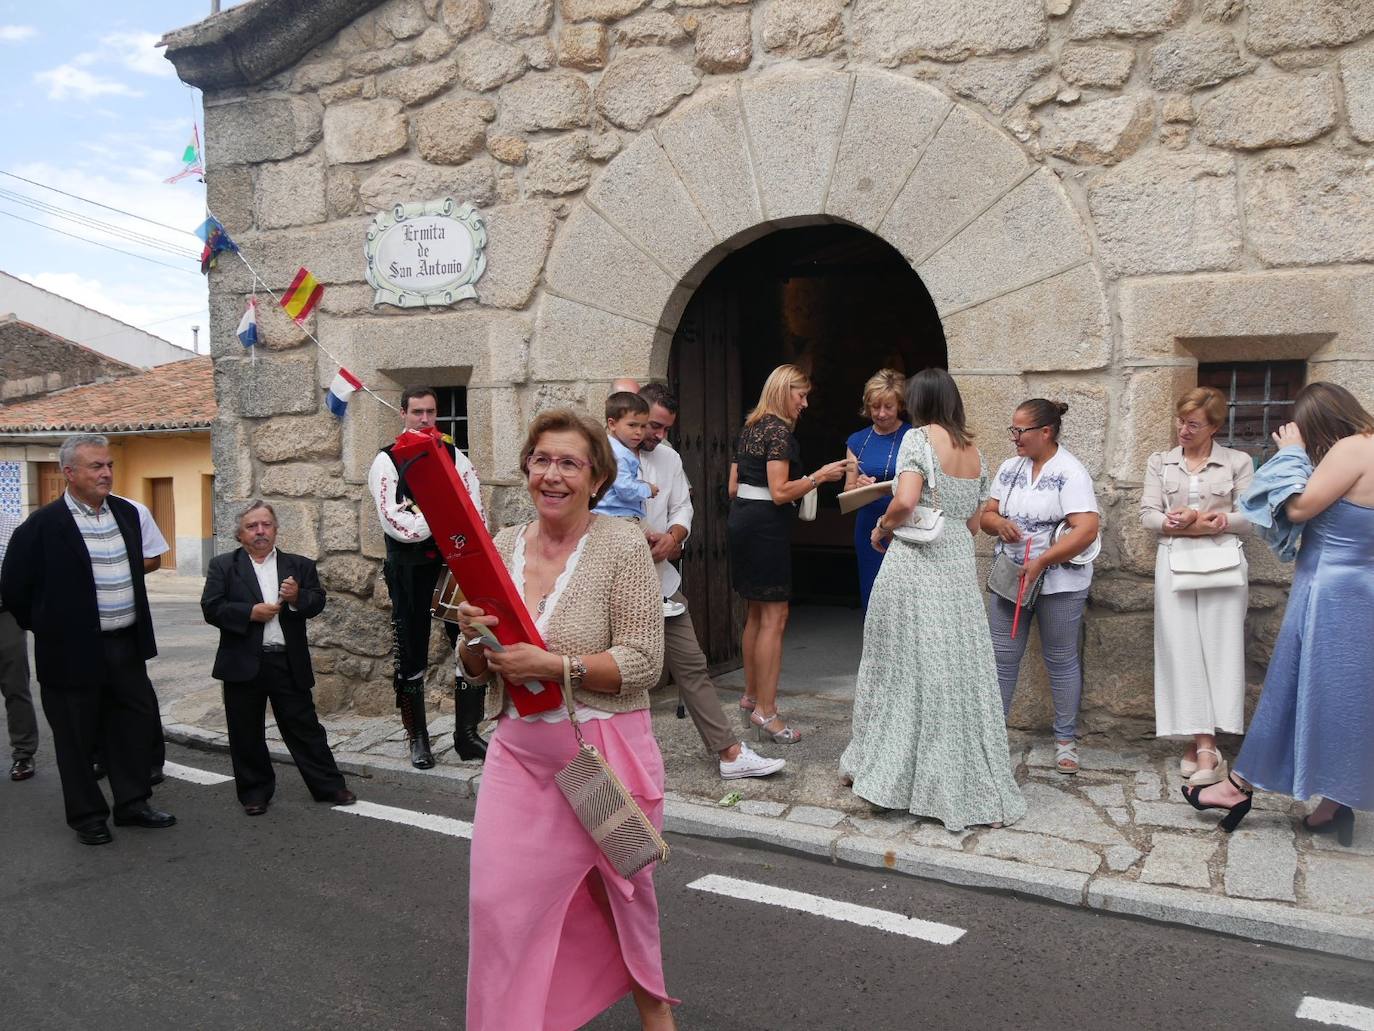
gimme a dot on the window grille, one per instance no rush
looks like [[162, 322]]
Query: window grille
[[1259, 399], [452, 419]]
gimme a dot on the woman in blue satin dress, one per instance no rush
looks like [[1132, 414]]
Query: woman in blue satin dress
[[874, 453], [1313, 731]]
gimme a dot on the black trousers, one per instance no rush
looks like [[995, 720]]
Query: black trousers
[[411, 586], [117, 715], [245, 707]]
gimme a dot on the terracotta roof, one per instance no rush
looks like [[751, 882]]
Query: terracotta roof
[[175, 396]]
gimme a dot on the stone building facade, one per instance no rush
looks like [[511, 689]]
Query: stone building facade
[[1098, 195]]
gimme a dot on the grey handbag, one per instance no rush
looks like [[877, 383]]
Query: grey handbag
[[1004, 578], [604, 806]]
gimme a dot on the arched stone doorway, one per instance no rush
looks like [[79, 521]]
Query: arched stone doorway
[[840, 303]]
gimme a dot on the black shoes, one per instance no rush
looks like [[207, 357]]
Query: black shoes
[[341, 797], [467, 713], [95, 834], [412, 706], [145, 816], [1341, 824], [255, 808], [22, 769], [1234, 813], [157, 778]]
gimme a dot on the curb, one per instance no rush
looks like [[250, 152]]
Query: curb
[[1242, 918]]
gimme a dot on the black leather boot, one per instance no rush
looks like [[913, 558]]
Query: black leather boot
[[412, 705], [467, 713]]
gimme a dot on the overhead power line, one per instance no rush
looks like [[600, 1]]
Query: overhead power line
[[87, 200], [108, 228], [97, 243]]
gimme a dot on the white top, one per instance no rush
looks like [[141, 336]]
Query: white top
[[1062, 488], [672, 506], [404, 522], [541, 623], [154, 544], [270, 586]]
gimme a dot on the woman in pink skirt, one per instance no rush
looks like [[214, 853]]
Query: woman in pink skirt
[[555, 935]]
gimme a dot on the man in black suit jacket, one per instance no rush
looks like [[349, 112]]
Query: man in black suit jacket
[[73, 575], [260, 598]]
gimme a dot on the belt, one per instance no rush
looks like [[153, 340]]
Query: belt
[[273, 649], [124, 631], [749, 492]]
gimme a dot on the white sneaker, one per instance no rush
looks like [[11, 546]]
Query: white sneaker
[[672, 608], [750, 764]]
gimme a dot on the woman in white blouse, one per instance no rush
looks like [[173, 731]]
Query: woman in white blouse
[[1193, 491], [1043, 486]]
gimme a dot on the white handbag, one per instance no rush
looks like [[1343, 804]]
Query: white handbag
[[1205, 563], [806, 509], [925, 524]]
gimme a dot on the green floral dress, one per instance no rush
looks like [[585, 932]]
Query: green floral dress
[[928, 732]]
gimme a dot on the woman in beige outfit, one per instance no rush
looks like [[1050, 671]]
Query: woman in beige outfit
[[1193, 491]]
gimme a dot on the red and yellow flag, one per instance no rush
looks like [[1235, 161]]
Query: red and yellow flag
[[301, 296]]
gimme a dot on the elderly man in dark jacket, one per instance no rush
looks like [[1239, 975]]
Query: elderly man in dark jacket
[[260, 598]]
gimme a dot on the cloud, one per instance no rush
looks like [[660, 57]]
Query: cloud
[[138, 51], [16, 33], [72, 80], [165, 312]]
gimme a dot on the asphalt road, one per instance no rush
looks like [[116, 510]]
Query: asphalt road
[[315, 918]]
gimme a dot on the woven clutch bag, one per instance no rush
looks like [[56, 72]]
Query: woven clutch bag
[[603, 805]]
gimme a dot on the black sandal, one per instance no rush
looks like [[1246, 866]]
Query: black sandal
[[1342, 824], [1234, 813]]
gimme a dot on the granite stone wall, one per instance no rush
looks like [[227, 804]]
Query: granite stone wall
[[1098, 194]]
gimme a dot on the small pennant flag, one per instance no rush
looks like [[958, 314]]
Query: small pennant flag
[[192, 151], [301, 296], [216, 241], [190, 158], [248, 325], [345, 383]]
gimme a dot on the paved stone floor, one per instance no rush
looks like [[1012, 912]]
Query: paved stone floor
[[1120, 826]]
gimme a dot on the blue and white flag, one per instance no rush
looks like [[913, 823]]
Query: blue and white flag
[[248, 325], [345, 383]]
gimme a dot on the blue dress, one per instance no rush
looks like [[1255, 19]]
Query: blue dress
[[1313, 731], [877, 455]]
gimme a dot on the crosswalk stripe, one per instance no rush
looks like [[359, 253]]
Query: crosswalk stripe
[[1336, 1014], [391, 814], [193, 775], [864, 916]]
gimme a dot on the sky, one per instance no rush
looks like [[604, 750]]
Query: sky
[[89, 105]]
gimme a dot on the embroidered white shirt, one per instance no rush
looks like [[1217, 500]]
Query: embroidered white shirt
[[1037, 507]]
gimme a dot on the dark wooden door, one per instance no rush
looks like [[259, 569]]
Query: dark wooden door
[[704, 371], [164, 514]]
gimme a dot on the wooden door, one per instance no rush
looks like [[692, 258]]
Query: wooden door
[[51, 482], [704, 371], [164, 514]]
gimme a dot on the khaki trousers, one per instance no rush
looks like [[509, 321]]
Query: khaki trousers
[[684, 662]]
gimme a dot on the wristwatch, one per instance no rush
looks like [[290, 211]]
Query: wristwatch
[[577, 672]]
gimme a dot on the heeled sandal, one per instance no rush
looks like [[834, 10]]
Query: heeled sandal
[[1234, 813], [1205, 776], [1341, 824], [746, 708], [786, 736]]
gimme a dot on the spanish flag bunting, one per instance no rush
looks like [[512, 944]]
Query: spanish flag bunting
[[301, 296]]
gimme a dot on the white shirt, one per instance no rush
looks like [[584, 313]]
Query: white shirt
[[154, 544], [270, 586], [1062, 488], [671, 507], [404, 522]]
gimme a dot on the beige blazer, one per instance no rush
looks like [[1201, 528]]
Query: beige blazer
[[1225, 478]]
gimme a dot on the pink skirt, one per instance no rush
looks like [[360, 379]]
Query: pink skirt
[[555, 935]]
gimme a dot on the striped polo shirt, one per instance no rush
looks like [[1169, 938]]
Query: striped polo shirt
[[114, 582]]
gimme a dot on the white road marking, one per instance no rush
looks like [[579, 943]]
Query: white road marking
[[864, 916], [1336, 1014], [194, 775], [391, 814]]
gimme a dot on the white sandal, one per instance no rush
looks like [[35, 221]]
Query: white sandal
[[1204, 776], [1066, 757]]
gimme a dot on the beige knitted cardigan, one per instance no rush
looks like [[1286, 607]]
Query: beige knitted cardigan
[[613, 602]]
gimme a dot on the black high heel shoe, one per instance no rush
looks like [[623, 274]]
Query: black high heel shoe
[[1234, 813], [1342, 824]]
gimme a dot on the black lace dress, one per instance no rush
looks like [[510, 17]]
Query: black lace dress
[[760, 531]]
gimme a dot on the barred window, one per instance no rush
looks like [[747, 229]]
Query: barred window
[[452, 403], [1259, 399]]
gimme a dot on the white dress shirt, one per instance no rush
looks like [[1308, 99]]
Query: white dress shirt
[[270, 586], [671, 507]]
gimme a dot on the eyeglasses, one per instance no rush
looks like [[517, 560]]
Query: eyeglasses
[[1016, 431], [539, 463], [1195, 427]]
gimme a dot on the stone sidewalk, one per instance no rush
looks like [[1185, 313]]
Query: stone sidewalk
[[1117, 837]]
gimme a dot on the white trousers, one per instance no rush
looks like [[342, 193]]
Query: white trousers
[[1199, 656]]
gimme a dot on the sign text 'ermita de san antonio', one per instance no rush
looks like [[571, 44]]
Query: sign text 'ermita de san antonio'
[[426, 253]]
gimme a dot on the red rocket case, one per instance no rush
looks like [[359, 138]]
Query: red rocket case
[[467, 548]]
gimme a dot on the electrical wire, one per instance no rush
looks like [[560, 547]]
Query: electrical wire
[[97, 243], [87, 200], [110, 229]]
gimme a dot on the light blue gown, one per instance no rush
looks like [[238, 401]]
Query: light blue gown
[[1313, 731]]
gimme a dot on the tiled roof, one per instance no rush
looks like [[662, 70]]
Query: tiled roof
[[178, 395]]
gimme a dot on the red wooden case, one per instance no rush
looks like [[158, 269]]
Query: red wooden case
[[467, 548]]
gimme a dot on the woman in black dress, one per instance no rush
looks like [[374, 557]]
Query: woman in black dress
[[766, 481]]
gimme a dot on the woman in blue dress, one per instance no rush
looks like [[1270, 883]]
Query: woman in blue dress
[[873, 450], [1313, 731]]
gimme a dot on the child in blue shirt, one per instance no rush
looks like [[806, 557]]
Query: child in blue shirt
[[627, 418]]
